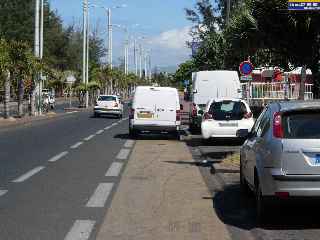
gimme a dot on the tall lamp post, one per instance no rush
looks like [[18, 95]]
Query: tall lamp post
[[85, 48]]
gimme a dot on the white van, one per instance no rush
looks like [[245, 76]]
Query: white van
[[209, 85], [155, 109]]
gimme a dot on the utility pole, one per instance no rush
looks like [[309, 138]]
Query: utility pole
[[110, 38], [88, 47], [41, 53], [228, 11], [84, 61], [37, 50], [145, 65], [135, 57]]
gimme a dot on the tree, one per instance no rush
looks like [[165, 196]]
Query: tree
[[5, 65]]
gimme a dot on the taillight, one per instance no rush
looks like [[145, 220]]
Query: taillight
[[131, 113], [207, 116], [248, 115], [178, 115], [277, 126], [194, 110]]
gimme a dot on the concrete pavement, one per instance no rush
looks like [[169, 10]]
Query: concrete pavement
[[162, 196]]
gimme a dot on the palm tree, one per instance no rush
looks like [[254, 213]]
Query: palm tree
[[5, 65]]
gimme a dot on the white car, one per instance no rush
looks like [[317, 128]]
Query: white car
[[155, 109], [108, 105], [224, 117]]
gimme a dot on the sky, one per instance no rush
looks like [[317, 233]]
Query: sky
[[161, 22]]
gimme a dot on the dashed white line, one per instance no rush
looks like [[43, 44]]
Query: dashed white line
[[100, 196], [123, 154], [58, 157], [114, 170], [76, 145], [99, 132], [114, 124], [72, 112], [129, 144], [3, 192], [107, 128], [80, 230], [89, 138], [28, 175]]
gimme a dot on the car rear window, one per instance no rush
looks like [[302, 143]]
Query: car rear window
[[227, 110], [302, 125], [107, 98]]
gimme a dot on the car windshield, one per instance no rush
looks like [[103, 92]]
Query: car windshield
[[302, 125], [107, 98], [227, 110]]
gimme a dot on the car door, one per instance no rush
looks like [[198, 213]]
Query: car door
[[250, 148]]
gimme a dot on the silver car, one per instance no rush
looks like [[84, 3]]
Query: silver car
[[281, 156]]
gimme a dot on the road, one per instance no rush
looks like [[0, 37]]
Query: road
[[75, 177]]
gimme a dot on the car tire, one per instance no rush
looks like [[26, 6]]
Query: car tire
[[261, 205], [243, 183]]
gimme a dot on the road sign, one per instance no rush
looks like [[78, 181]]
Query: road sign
[[303, 5], [246, 78], [246, 68]]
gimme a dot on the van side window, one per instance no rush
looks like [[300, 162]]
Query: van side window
[[257, 123]]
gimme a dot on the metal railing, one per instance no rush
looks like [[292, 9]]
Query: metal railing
[[275, 91]]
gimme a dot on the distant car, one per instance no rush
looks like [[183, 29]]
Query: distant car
[[108, 105], [155, 109], [222, 118], [281, 157]]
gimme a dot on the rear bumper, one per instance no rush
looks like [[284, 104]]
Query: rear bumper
[[155, 127], [275, 180], [107, 111]]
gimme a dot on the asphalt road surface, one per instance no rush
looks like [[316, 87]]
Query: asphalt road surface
[[57, 176]]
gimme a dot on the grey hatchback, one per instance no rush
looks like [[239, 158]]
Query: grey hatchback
[[281, 156]]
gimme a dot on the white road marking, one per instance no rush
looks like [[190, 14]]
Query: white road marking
[[58, 157], [76, 145], [129, 144], [100, 196], [80, 230], [28, 175], [123, 154], [114, 124], [99, 132], [72, 112], [114, 170], [107, 128], [3, 192], [89, 138]]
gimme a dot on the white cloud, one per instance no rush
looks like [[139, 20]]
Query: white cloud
[[173, 39], [170, 48]]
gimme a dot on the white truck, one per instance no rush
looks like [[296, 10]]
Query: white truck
[[208, 85]]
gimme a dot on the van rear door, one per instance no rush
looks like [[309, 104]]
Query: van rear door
[[166, 106]]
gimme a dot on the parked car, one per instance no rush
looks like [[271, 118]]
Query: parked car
[[108, 105], [155, 109], [222, 118], [211, 84], [281, 157]]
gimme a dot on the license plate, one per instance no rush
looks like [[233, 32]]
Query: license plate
[[317, 160], [228, 124], [145, 115]]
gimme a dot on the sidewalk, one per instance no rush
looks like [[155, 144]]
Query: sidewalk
[[162, 195]]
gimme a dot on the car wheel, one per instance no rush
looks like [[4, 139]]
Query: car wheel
[[261, 205], [243, 183]]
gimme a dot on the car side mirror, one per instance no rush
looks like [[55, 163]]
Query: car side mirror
[[243, 133], [181, 106], [201, 112], [195, 91]]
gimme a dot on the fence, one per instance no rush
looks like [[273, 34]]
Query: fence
[[275, 91]]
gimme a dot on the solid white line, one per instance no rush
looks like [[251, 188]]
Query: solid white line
[[58, 157], [129, 144], [114, 170], [76, 145], [123, 154], [28, 175], [80, 230], [99, 132], [3, 192], [100, 195], [89, 138]]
